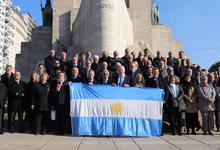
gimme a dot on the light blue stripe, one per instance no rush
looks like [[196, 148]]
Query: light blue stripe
[[82, 91], [110, 126]]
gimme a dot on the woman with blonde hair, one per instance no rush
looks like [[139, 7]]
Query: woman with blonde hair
[[40, 104], [34, 79], [139, 81]]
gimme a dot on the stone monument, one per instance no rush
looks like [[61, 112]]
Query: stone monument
[[97, 25], [102, 25], [78, 24]]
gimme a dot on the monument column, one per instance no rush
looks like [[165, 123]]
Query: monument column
[[103, 25]]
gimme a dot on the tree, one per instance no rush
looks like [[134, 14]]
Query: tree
[[214, 67]]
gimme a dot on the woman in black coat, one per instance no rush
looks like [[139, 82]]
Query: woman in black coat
[[61, 103], [30, 91], [40, 104]]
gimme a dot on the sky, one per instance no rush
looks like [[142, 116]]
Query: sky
[[196, 23]]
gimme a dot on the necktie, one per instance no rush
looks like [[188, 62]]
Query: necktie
[[120, 81]]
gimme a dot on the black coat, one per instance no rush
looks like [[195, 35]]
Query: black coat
[[63, 64], [49, 63], [126, 80], [17, 90], [30, 93], [217, 99], [94, 82], [109, 82], [156, 61], [180, 71], [40, 97], [78, 79], [132, 80], [159, 83], [17, 94], [69, 67], [102, 59], [3, 94], [7, 80], [61, 97]]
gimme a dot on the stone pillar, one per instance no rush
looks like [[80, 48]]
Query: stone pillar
[[102, 25]]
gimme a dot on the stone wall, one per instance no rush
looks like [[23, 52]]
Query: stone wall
[[34, 52]]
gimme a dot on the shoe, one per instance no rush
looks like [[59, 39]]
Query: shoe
[[198, 128], [60, 133], [11, 130], [205, 133], [217, 130], [36, 133], [43, 133], [194, 133], [21, 131], [210, 133], [187, 132], [180, 134]]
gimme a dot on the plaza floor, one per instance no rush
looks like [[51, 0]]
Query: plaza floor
[[17, 141]]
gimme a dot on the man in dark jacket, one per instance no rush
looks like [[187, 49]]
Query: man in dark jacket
[[50, 61], [75, 77], [156, 81], [3, 103], [16, 103], [105, 78], [7, 78], [122, 79]]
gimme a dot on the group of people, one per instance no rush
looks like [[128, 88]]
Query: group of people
[[189, 90]]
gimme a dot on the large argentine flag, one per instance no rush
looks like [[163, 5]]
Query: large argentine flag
[[99, 110]]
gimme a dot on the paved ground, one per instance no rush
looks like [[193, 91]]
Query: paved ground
[[50, 142]]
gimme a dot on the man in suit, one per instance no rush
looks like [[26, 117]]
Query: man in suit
[[171, 59], [156, 81], [125, 57], [16, 103], [133, 73], [156, 60], [179, 69], [40, 70], [106, 80], [3, 103], [8, 77], [122, 79], [114, 60], [181, 57], [76, 78], [50, 60], [96, 65], [63, 60], [86, 69], [72, 63], [105, 57], [162, 69], [91, 78]]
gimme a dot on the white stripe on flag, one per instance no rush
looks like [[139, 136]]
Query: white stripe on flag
[[112, 108]]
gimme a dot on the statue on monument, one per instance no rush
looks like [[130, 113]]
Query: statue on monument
[[47, 14], [127, 3], [155, 15]]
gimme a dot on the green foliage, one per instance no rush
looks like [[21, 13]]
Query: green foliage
[[214, 67]]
